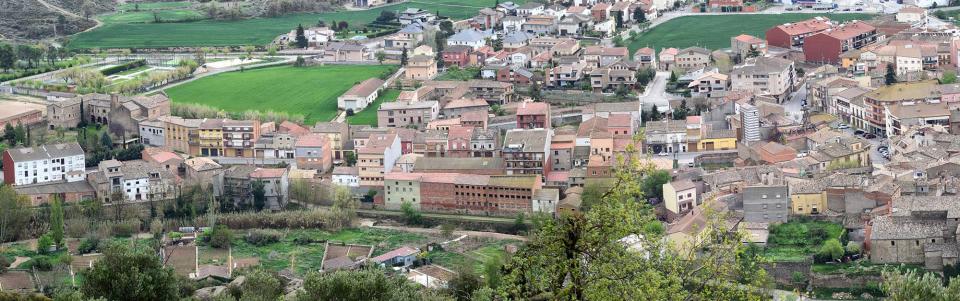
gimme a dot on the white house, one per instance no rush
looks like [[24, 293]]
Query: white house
[[152, 132], [471, 37], [43, 164], [361, 95], [346, 176]]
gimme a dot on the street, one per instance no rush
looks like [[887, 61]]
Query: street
[[656, 93]]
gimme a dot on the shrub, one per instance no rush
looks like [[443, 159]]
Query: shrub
[[175, 235], [89, 245], [77, 227], [280, 220], [221, 237], [831, 250], [124, 229], [44, 244], [123, 67], [853, 248], [64, 259], [42, 263], [263, 237]]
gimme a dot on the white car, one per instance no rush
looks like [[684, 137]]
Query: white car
[[843, 126], [802, 155], [663, 154]]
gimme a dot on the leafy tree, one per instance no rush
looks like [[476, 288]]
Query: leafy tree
[[381, 56], [645, 75], [403, 57], [13, 296], [911, 286], [350, 158], [368, 284], [891, 77], [14, 213], [801, 72], [130, 274], [535, 92], [831, 249], [344, 209], [580, 256], [654, 114], [105, 141], [56, 221], [639, 16], [8, 57], [301, 38], [20, 134], [852, 248], [411, 215], [681, 112], [343, 25], [221, 237], [44, 244], [259, 195], [9, 134], [653, 183], [464, 283], [261, 285], [948, 77]]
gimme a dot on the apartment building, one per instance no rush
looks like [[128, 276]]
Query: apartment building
[[137, 180], [826, 46], [407, 113], [533, 115], [462, 193], [792, 35], [768, 76], [914, 92], [181, 135], [692, 58], [239, 137], [527, 151], [313, 151], [44, 164], [377, 157]]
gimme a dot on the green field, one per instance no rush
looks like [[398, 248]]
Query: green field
[[129, 6], [715, 31], [166, 15], [311, 91], [259, 31], [369, 115]]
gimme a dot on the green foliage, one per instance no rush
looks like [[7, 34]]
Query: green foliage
[[221, 237], [14, 213], [653, 183], [56, 221], [13, 296], [89, 245], [261, 285], [891, 76], [831, 250], [350, 158], [411, 216], [369, 115], [129, 274], [949, 77], [367, 284], [911, 286], [836, 165], [852, 248], [263, 237], [464, 283], [344, 209], [259, 195], [123, 67], [45, 243]]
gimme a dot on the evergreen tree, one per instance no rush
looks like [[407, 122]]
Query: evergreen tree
[[259, 195], [125, 273], [20, 134], [106, 141], [403, 57], [639, 16], [7, 57], [9, 134], [618, 18], [891, 77], [56, 221], [301, 37], [535, 92], [654, 114]]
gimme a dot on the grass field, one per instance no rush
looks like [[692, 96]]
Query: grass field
[[154, 5], [311, 91], [715, 31], [166, 15], [369, 115], [259, 31]]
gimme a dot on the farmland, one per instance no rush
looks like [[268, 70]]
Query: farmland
[[310, 91], [715, 31], [119, 32], [369, 115]]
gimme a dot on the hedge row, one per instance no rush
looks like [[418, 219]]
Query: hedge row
[[123, 67]]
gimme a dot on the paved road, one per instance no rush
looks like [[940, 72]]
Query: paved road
[[794, 104], [656, 93], [435, 231]]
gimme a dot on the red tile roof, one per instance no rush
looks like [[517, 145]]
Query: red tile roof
[[749, 39], [850, 30], [311, 140], [268, 173], [807, 26], [533, 108]]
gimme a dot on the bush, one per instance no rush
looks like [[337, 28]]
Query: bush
[[89, 245], [44, 244], [263, 237], [853, 248], [124, 229], [280, 220], [831, 250], [42, 263], [175, 235], [221, 237]]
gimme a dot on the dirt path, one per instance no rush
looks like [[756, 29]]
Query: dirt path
[[17, 261], [69, 13], [493, 235]]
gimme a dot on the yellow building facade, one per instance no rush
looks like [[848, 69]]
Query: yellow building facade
[[808, 203]]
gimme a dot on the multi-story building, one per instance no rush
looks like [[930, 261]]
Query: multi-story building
[[680, 197], [792, 35], [421, 67], [312, 151], [458, 107], [692, 58], [152, 132], [210, 138], [463, 193], [64, 113], [403, 113], [599, 56], [901, 117], [44, 164], [710, 85], [766, 204], [877, 100], [181, 135], [377, 158], [527, 151], [750, 123], [666, 136], [768, 76], [533, 115], [137, 180], [744, 44], [485, 143], [338, 133], [238, 181], [239, 137], [668, 58], [826, 46], [646, 57]]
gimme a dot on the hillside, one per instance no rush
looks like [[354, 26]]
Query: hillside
[[31, 20]]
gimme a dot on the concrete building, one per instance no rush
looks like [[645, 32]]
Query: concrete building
[[152, 132], [404, 113], [792, 35], [680, 197], [749, 123], [765, 76], [692, 58], [533, 115], [527, 151], [137, 180], [462, 193], [377, 157], [826, 46], [360, 95], [44, 164], [313, 151], [766, 204]]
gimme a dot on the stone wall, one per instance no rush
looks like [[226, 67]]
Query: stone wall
[[782, 272], [843, 280]]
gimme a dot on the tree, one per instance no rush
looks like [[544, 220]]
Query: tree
[[119, 200], [753, 52], [56, 221], [911, 286], [681, 112], [343, 25], [618, 20], [831, 250], [645, 75], [8, 58], [673, 77], [20, 134], [403, 57], [580, 256], [891, 77], [949, 77], [654, 114], [300, 62], [464, 283], [261, 285], [10, 134], [535, 92], [44, 244], [852, 248], [381, 56], [105, 141], [653, 183], [411, 216], [221, 237], [301, 39], [130, 274], [344, 209], [639, 15], [369, 284], [259, 195], [14, 213], [350, 158]]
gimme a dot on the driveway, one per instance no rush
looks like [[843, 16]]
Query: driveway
[[656, 93]]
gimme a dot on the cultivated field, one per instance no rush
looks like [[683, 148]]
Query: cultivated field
[[713, 32], [310, 91], [118, 32]]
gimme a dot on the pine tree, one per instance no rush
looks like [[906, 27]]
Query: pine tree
[[891, 77], [301, 37], [654, 114], [56, 221], [403, 57]]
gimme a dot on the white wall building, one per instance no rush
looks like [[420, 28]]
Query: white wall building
[[43, 164]]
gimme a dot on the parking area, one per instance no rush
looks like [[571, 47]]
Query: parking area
[[878, 147]]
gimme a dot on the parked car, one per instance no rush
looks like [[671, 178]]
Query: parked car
[[663, 154], [859, 132], [870, 136], [690, 164], [801, 154], [882, 148], [843, 126]]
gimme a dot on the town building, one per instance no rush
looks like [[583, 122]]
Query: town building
[[527, 151], [360, 95], [766, 204], [377, 157], [792, 35], [44, 164], [533, 115]]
